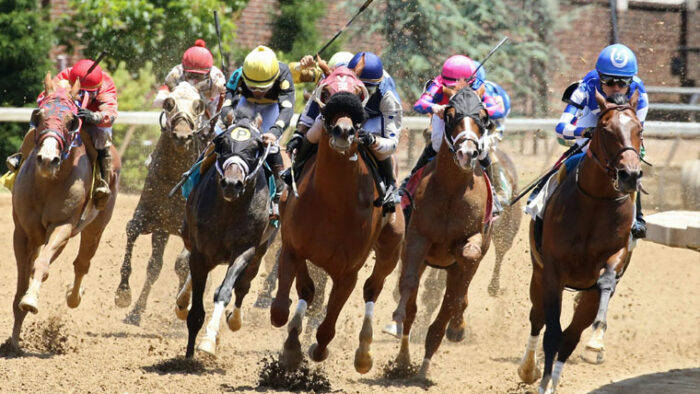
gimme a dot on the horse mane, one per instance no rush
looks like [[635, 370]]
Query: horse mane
[[344, 103], [618, 99]]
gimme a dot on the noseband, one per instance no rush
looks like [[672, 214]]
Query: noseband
[[54, 108], [180, 115], [468, 134]]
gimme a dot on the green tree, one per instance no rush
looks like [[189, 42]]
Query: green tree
[[294, 30], [421, 34], [136, 31]]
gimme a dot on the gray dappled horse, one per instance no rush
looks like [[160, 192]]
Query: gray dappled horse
[[177, 148], [226, 222]]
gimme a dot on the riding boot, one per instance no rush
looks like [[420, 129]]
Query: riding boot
[[427, 154], [277, 166], [303, 153], [391, 195], [102, 192], [639, 227], [494, 177], [13, 161]]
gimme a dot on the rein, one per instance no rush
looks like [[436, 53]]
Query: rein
[[468, 134], [53, 110]]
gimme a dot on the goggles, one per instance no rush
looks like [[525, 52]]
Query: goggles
[[195, 76], [621, 82]]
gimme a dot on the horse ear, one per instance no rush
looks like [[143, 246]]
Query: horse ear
[[359, 66], [36, 116], [602, 104], [75, 90], [449, 115], [48, 83], [198, 107], [480, 92], [169, 104], [634, 100]]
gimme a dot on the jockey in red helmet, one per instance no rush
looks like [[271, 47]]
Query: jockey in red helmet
[[98, 102], [198, 69]]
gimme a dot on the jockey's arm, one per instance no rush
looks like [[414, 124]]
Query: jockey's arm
[[386, 144], [642, 100], [567, 126], [107, 102], [308, 116], [425, 103], [285, 102]]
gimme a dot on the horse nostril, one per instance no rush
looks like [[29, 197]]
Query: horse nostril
[[55, 161]]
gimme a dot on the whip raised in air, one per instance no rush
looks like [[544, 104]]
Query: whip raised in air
[[364, 6]]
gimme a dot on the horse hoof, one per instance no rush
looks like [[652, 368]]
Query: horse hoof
[[423, 372], [207, 345], [279, 312], [313, 353], [494, 290], [133, 318], [74, 300], [594, 356], [363, 362], [529, 374], [29, 303], [234, 320], [181, 312], [392, 329], [122, 298], [455, 335]]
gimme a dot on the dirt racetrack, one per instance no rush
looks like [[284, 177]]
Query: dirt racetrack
[[654, 327]]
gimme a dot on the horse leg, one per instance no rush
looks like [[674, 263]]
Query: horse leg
[[292, 356], [242, 287], [527, 369], [287, 267], [320, 279], [195, 318], [595, 348], [414, 253], [24, 254], [403, 359], [455, 292], [122, 297], [553, 334], [182, 301], [495, 284], [58, 236], [342, 287], [182, 269], [222, 297], [387, 251], [89, 241], [159, 239]]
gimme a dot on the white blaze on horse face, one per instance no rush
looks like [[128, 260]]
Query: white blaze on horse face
[[48, 152], [624, 119]]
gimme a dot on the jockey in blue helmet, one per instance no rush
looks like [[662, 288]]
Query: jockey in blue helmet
[[382, 127], [615, 73]]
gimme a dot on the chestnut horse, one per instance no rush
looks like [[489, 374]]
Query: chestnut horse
[[334, 224], [52, 202], [450, 226], [585, 239]]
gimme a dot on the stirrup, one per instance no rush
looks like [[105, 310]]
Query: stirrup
[[497, 206], [101, 194], [13, 161], [391, 198]]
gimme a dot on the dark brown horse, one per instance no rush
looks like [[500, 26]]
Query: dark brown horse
[[52, 202], [178, 147], [450, 227], [585, 239], [334, 224]]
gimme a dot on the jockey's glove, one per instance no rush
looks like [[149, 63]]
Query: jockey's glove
[[88, 116], [226, 111], [588, 132], [276, 130], [367, 138], [294, 142]]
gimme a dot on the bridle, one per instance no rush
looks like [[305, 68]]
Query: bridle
[[468, 134], [53, 107]]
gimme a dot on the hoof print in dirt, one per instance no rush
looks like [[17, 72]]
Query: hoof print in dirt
[[275, 376], [182, 365], [47, 336], [405, 374]]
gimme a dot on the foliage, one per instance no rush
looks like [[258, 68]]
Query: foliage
[[135, 93], [421, 34], [136, 31], [25, 39], [294, 29]]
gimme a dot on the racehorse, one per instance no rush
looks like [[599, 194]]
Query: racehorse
[[178, 146], [583, 241], [226, 222], [52, 201], [334, 224], [450, 227]]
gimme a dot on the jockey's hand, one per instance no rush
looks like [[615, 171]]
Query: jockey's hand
[[269, 138], [588, 133], [307, 62], [92, 117], [439, 110], [294, 142], [367, 138], [226, 115]]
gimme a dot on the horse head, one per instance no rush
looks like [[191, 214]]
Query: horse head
[[183, 110], [237, 152], [342, 97], [465, 119], [56, 121], [617, 139]]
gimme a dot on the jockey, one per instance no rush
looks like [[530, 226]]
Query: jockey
[[382, 127], [615, 72], [265, 86], [198, 69], [98, 99], [457, 73]]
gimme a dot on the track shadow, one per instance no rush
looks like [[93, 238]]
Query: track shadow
[[185, 366], [675, 381]]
